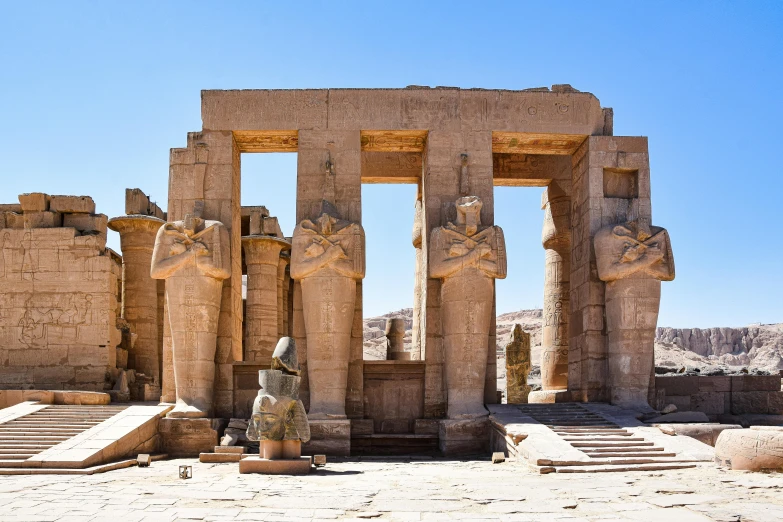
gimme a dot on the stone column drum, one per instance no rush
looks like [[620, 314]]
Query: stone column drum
[[262, 257], [632, 258], [395, 344], [140, 291], [556, 238], [327, 259], [467, 258], [193, 257]]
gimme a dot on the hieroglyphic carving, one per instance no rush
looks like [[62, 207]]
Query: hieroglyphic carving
[[327, 257], [467, 257], [193, 257]]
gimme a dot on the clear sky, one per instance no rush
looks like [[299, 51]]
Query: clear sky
[[93, 95]]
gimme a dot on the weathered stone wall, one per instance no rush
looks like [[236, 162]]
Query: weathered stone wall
[[58, 295], [723, 394]]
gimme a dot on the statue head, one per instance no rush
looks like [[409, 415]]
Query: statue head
[[469, 213]]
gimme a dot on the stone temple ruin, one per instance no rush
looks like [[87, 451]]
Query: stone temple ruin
[[167, 321]]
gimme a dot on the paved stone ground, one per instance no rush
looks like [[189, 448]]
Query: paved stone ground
[[393, 490]]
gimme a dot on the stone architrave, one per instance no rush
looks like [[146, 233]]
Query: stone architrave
[[556, 238], [262, 257], [279, 420], [140, 291], [517, 366], [327, 258], [193, 257], [467, 258], [632, 258]]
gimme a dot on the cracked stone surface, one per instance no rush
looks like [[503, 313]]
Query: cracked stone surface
[[393, 490]]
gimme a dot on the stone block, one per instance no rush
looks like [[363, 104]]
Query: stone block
[[361, 427], [329, 437], [683, 402], [464, 437], [34, 202], [300, 466], [11, 207], [42, 219], [86, 222], [216, 458], [678, 385], [72, 204], [549, 396], [231, 449], [749, 402], [426, 426], [775, 403], [710, 403], [188, 437], [716, 383]]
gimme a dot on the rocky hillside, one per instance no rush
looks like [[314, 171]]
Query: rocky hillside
[[756, 347]]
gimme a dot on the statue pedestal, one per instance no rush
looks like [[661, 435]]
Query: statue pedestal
[[549, 397], [189, 437], [329, 437], [300, 466], [464, 437]]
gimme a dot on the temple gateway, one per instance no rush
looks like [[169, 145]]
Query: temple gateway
[[167, 333]]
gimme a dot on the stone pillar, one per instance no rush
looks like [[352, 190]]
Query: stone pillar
[[395, 346], [419, 282], [262, 329], [282, 292], [140, 291], [517, 366], [556, 239]]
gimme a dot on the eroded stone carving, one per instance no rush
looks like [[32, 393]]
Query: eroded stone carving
[[193, 256], [517, 366], [279, 420], [632, 258], [327, 258], [758, 449], [467, 257]]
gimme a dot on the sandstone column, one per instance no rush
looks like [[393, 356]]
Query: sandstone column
[[282, 294], [140, 291], [418, 285], [556, 238], [467, 258], [193, 256], [262, 257], [517, 366], [632, 258]]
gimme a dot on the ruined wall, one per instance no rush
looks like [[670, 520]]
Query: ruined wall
[[58, 295]]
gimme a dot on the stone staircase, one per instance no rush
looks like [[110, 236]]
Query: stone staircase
[[584, 438], [27, 436]]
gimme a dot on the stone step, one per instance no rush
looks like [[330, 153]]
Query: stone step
[[610, 444], [15, 456], [631, 454], [51, 431], [592, 430], [12, 463], [31, 446], [603, 439], [31, 424], [617, 468], [8, 439], [620, 450]]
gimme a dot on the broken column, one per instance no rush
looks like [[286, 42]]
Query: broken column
[[262, 257], [395, 345], [140, 293], [517, 366], [556, 238]]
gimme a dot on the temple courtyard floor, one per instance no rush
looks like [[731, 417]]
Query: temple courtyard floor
[[371, 489]]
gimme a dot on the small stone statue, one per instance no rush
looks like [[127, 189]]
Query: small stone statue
[[194, 258], [632, 258], [467, 257], [279, 420], [517, 366]]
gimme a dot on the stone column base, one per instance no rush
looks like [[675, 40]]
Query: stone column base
[[189, 437], [549, 397], [463, 437], [329, 437], [300, 466]]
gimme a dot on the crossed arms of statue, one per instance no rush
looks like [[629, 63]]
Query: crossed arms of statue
[[176, 247], [343, 252], [619, 254], [451, 251]]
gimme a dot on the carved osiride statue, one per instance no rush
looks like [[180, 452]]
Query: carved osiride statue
[[632, 258], [467, 257], [327, 258], [193, 256], [279, 420]]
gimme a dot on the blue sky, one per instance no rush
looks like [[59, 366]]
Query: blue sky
[[93, 95]]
